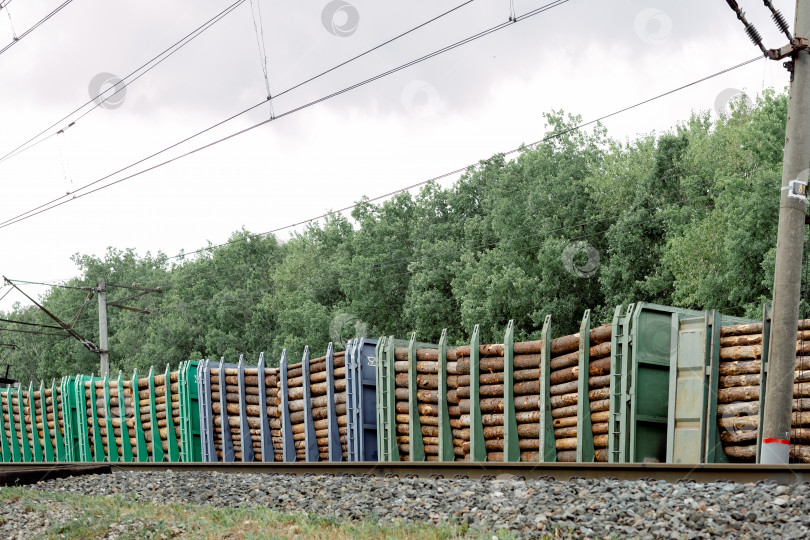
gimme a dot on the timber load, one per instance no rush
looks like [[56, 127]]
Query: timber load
[[564, 395], [297, 410], [230, 386], [738, 394], [526, 389], [28, 418], [426, 417], [319, 382]]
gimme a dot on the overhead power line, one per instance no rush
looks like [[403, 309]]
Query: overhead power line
[[466, 167], [128, 79], [36, 25], [45, 208], [59, 201], [181, 43], [460, 170]]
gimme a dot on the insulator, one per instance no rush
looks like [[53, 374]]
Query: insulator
[[754, 35], [780, 21]]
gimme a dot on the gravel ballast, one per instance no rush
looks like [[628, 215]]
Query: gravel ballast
[[582, 508]]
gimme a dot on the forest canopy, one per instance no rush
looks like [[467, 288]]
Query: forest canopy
[[581, 221]]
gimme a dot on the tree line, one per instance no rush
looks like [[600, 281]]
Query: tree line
[[581, 221]]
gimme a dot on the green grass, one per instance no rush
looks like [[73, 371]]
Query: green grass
[[94, 517]]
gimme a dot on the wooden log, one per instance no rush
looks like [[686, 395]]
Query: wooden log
[[427, 382], [599, 381], [738, 422], [600, 406], [429, 355], [741, 329], [563, 412], [599, 394], [738, 437], [738, 408], [739, 393], [738, 341], [754, 352], [753, 379], [493, 364], [739, 367], [601, 416], [569, 443], [741, 452], [564, 400], [497, 377], [564, 388], [564, 422], [494, 405], [744, 352], [427, 409], [596, 367], [599, 351], [567, 344], [565, 432]]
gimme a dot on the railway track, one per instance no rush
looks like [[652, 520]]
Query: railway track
[[28, 473]]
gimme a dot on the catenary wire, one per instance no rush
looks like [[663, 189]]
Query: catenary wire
[[260, 43], [462, 169], [35, 26], [22, 148], [149, 65], [376, 47], [548, 137], [73, 196]]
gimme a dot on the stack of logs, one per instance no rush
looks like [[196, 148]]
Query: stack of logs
[[459, 430], [526, 388], [162, 411], [123, 412], [427, 397], [402, 407], [273, 410], [15, 403], [90, 402], [94, 398], [563, 390], [318, 386], [7, 415], [739, 390], [39, 422], [341, 396], [57, 412], [252, 407], [51, 409]]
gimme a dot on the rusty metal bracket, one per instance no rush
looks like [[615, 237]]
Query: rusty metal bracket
[[791, 49]]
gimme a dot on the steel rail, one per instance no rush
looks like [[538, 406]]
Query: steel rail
[[674, 473]]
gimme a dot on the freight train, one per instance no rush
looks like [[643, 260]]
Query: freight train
[[657, 384]]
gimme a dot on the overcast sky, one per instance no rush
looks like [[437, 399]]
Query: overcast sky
[[587, 57]]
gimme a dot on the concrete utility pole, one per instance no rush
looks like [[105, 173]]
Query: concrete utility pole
[[104, 353], [789, 247]]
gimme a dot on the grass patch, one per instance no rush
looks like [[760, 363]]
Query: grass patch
[[125, 518]]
